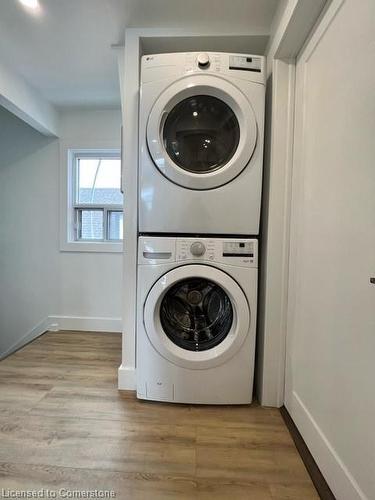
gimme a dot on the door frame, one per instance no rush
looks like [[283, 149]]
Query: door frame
[[294, 25]]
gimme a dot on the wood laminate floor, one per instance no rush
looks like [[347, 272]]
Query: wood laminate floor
[[64, 425]]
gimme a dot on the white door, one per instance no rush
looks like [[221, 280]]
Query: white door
[[201, 132], [196, 316], [330, 386]]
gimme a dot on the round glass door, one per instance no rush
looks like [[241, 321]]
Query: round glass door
[[201, 134], [196, 314]]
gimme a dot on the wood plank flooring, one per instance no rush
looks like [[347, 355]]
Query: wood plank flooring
[[64, 425]]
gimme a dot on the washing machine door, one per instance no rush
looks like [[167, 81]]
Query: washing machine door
[[196, 316], [201, 132]]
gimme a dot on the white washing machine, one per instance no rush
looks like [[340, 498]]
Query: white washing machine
[[196, 319], [201, 143]]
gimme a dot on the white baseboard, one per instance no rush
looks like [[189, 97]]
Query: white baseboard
[[81, 323], [126, 378], [32, 334], [337, 475]]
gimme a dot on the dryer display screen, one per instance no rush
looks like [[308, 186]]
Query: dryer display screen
[[245, 63], [196, 314], [201, 134]]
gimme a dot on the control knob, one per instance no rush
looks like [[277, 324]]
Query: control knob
[[203, 60], [197, 248]]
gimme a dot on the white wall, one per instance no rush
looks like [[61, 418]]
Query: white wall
[[36, 279], [331, 324], [29, 258], [90, 284]]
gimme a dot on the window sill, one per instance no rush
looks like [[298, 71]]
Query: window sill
[[95, 246]]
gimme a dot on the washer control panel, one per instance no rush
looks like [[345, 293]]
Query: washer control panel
[[154, 250], [235, 251]]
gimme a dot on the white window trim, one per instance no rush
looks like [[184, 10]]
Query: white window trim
[[67, 240]]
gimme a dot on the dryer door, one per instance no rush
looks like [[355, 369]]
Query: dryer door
[[196, 316], [201, 132]]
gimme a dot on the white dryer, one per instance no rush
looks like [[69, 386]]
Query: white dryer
[[201, 143], [196, 319]]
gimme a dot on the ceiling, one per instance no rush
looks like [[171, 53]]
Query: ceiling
[[64, 49]]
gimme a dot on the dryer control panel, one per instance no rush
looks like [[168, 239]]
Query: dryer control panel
[[243, 66]]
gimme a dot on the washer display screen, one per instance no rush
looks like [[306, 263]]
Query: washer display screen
[[201, 134], [196, 314]]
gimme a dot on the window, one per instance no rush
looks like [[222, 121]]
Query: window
[[94, 200], [97, 196]]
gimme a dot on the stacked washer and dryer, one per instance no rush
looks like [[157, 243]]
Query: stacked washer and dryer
[[200, 179]]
